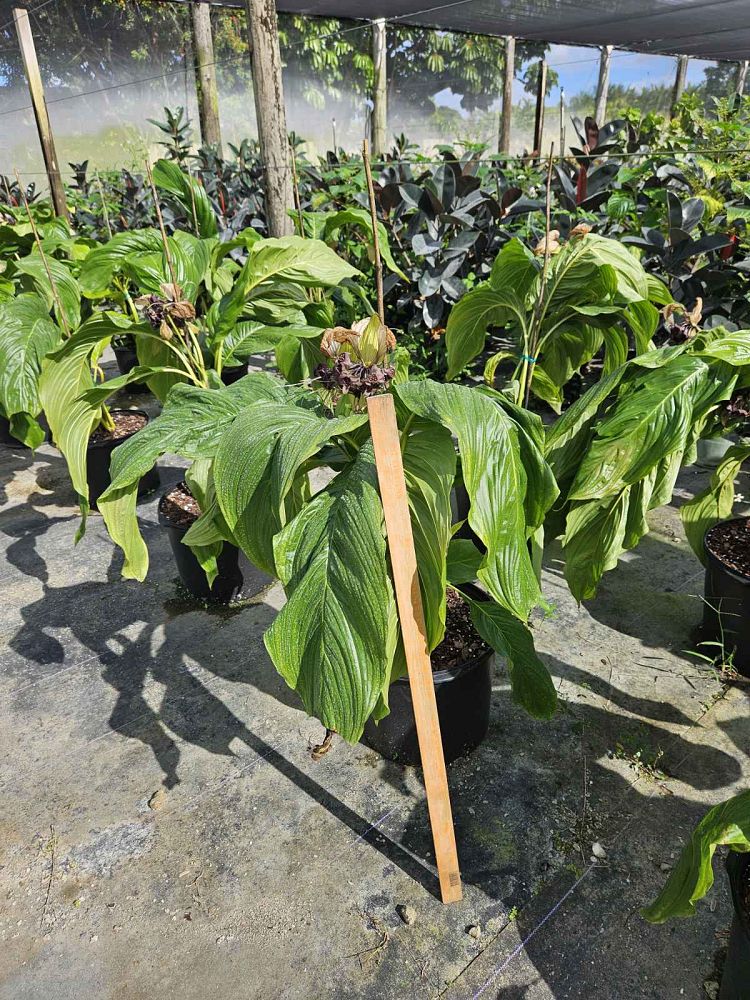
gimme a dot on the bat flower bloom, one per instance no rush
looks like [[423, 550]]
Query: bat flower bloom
[[548, 244], [683, 323], [167, 311], [359, 358]]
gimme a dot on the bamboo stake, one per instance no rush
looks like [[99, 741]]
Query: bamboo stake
[[45, 262], [375, 234], [104, 203], [295, 189], [385, 439], [162, 230]]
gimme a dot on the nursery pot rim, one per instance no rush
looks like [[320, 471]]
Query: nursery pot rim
[[717, 560], [110, 443]]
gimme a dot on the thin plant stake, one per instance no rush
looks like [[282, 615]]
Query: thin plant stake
[[375, 234], [545, 269], [388, 461], [162, 230], [295, 187], [35, 231]]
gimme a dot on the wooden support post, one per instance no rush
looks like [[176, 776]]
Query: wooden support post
[[271, 115], [380, 89], [541, 94], [741, 77], [679, 83], [602, 86], [503, 145], [385, 439], [36, 89], [205, 74]]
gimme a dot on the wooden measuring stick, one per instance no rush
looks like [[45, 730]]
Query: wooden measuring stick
[[390, 468]]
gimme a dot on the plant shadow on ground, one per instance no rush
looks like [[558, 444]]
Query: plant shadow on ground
[[143, 635], [517, 801]]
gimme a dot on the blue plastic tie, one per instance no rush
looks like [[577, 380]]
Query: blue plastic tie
[[528, 357]]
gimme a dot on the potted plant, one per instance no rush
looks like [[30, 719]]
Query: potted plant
[[558, 305], [616, 452], [726, 824], [27, 335], [336, 641], [287, 276], [722, 543]]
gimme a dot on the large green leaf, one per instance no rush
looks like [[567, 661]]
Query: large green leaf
[[330, 641], [188, 193], [334, 221], [497, 303], [733, 348], [65, 376], [632, 280], [541, 490], [429, 469], [715, 503], [593, 541], [495, 479], [530, 681], [257, 465], [27, 335], [729, 824], [62, 294], [248, 338], [470, 319], [305, 263], [100, 265], [190, 425], [652, 420]]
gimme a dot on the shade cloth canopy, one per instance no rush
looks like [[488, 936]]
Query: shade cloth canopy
[[707, 29]]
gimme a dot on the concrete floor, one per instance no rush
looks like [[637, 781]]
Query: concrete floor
[[255, 872]]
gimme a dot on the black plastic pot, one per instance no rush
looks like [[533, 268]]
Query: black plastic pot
[[7, 439], [735, 981], [98, 454], [727, 607], [237, 579], [231, 375], [127, 360], [463, 696]]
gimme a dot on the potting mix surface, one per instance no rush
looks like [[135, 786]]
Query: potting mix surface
[[730, 543], [164, 831], [125, 425]]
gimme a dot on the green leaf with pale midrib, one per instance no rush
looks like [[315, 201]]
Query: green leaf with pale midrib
[[530, 681], [190, 425], [256, 465], [727, 823], [495, 479], [330, 641], [27, 335]]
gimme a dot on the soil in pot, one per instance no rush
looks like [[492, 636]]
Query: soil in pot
[[462, 673], [99, 452], [726, 613], [735, 980], [237, 580]]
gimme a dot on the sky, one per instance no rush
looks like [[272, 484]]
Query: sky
[[578, 69]]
